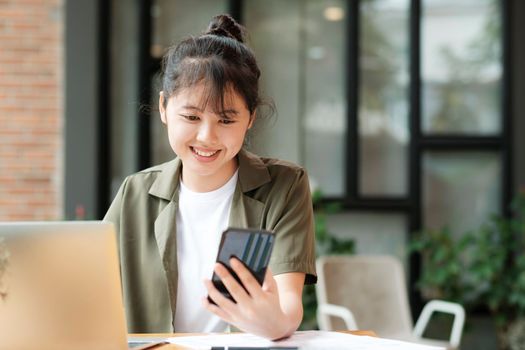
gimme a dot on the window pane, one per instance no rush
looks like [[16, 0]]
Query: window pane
[[373, 233], [174, 20], [324, 105], [461, 189], [299, 47], [274, 32], [461, 66], [383, 97]]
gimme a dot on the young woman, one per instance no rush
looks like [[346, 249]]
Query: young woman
[[169, 218]]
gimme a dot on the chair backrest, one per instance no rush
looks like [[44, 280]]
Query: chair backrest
[[373, 287]]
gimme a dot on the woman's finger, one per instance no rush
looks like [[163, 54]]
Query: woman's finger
[[218, 298], [248, 280], [234, 288], [216, 310], [269, 284]]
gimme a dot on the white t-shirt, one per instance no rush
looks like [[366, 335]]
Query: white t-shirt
[[201, 219]]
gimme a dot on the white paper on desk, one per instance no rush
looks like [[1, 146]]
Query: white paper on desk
[[302, 339]]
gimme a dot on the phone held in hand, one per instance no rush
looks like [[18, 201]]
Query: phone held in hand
[[251, 246]]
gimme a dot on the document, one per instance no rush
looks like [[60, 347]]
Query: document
[[304, 340]]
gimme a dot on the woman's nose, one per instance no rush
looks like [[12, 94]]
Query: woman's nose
[[206, 133]]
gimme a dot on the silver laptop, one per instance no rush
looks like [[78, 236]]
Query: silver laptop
[[60, 288]]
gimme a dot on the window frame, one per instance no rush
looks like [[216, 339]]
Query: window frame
[[411, 204]]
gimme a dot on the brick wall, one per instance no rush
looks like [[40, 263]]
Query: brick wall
[[31, 112]]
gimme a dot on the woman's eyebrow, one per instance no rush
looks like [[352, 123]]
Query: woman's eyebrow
[[229, 111], [223, 112], [228, 114], [191, 107]]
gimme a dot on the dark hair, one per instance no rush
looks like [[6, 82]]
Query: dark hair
[[220, 59]]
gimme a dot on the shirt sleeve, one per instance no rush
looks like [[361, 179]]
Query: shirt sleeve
[[294, 249]]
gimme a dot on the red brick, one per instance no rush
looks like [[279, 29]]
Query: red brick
[[31, 126]]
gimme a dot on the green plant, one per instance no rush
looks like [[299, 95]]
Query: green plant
[[326, 243], [498, 266], [485, 267], [442, 276]]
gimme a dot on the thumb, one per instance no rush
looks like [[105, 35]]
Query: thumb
[[269, 284]]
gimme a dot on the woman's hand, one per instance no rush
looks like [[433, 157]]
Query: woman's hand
[[272, 311]]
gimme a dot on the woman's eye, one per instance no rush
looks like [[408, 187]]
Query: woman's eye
[[190, 117], [227, 121]]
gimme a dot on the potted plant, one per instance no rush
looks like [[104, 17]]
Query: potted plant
[[497, 268], [486, 267], [442, 275]]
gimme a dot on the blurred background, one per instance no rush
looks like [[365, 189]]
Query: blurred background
[[406, 113]]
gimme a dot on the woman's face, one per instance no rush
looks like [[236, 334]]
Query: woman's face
[[206, 141]]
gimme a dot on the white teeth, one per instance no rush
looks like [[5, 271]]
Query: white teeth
[[204, 154]]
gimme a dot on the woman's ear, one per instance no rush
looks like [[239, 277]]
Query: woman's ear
[[162, 109], [252, 120]]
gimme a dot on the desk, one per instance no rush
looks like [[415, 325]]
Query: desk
[[179, 347]]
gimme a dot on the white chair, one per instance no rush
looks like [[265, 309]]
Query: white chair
[[369, 292]]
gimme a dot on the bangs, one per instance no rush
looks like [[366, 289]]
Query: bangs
[[217, 79]]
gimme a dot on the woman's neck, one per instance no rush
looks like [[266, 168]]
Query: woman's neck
[[207, 183]]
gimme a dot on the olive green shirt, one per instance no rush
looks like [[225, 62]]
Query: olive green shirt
[[270, 194]]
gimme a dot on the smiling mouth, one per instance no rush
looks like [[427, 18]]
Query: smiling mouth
[[201, 153]]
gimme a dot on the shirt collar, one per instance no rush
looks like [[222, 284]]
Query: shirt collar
[[253, 173], [166, 183]]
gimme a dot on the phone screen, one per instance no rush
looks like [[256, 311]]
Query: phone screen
[[252, 247]]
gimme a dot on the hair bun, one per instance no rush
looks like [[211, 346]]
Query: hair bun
[[225, 25]]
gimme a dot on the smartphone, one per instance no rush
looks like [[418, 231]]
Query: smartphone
[[252, 247]]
